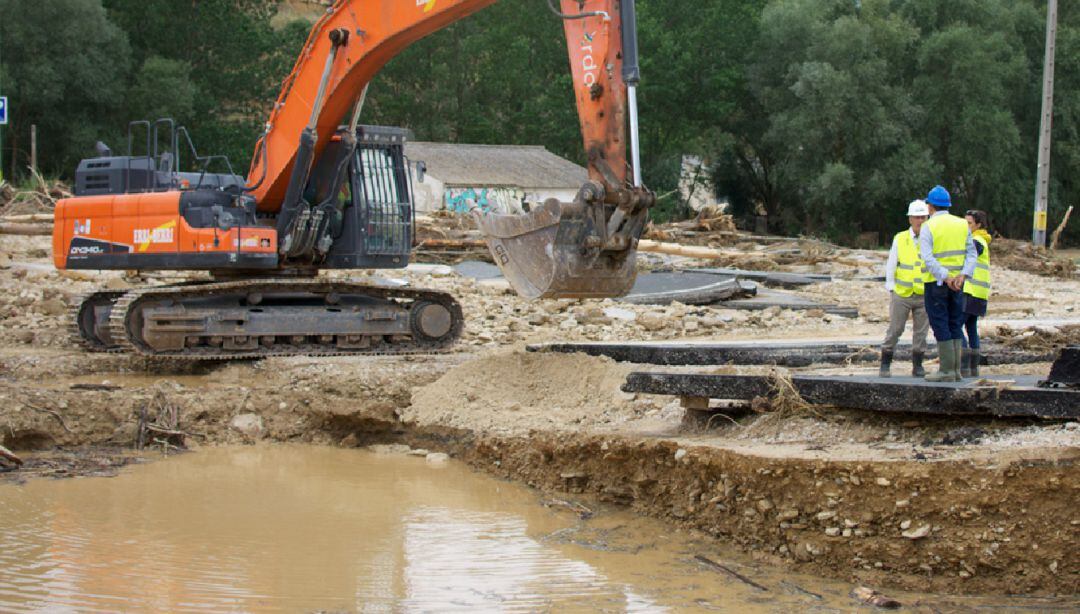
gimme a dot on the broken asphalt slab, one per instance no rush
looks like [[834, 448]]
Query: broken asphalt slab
[[771, 278], [1017, 397], [786, 354], [774, 298], [686, 288], [699, 287]]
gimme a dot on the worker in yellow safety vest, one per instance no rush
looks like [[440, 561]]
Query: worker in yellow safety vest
[[904, 281], [976, 291], [948, 254]]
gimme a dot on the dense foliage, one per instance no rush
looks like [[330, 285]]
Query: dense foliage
[[827, 115]]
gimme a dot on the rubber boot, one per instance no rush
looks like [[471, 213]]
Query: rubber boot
[[974, 357], [886, 364], [917, 369], [946, 363], [965, 362], [958, 347]]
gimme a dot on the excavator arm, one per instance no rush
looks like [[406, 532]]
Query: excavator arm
[[579, 249]]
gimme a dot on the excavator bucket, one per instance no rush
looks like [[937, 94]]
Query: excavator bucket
[[545, 253]]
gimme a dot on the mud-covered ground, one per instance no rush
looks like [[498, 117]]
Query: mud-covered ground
[[933, 504]]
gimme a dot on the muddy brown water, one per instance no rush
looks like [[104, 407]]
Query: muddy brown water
[[303, 528]]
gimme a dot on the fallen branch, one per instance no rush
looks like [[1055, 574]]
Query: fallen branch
[[166, 423], [9, 455], [51, 412], [164, 431], [731, 572], [583, 512], [95, 387], [874, 598], [140, 432], [25, 229], [799, 589], [1061, 227], [240, 405], [165, 445], [676, 249], [35, 218]]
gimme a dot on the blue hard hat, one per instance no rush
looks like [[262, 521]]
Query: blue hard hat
[[939, 197]]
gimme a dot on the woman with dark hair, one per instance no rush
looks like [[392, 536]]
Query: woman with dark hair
[[976, 292]]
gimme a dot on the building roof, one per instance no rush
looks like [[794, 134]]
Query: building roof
[[522, 166]]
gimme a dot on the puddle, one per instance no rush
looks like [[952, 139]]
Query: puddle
[[298, 528]]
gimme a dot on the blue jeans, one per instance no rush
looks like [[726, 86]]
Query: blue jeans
[[945, 309], [971, 325]]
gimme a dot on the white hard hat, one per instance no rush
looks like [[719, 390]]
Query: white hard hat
[[917, 208]]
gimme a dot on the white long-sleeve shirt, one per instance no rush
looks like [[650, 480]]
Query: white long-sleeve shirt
[[894, 259], [930, 263]]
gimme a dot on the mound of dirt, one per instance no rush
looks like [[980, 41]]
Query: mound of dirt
[[1022, 256], [515, 392], [1037, 338]]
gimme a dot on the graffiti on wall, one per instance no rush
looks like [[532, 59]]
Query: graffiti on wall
[[499, 200]]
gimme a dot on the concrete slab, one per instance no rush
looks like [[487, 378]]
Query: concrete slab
[[475, 269], [899, 394], [687, 288], [771, 278], [773, 298]]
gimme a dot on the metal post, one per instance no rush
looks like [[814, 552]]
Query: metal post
[[1042, 182], [635, 140], [33, 148], [631, 73]]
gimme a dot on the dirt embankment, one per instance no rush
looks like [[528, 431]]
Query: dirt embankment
[[892, 501], [873, 500], [83, 401], [1001, 526]]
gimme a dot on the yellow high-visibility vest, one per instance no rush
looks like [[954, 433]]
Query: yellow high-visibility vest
[[979, 284], [950, 243], [909, 267]]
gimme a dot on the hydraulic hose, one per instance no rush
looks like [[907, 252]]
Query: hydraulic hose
[[260, 149], [562, 15]]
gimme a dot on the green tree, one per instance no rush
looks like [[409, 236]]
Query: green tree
[[224, 56], [838, 138], [500, 76], [64, 68], [163, 88]]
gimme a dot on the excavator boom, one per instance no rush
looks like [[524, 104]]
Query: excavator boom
[[579, 249]]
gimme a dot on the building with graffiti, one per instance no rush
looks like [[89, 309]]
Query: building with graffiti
[[492, 177]]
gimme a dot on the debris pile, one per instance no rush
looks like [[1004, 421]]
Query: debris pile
[[1036, 338], [710, 227], [1023, 256], [40, 198], [445, 237]]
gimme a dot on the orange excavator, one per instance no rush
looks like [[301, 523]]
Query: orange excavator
[[322, 196]]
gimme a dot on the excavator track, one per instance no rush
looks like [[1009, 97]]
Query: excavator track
[[81, 325], [402, 320]]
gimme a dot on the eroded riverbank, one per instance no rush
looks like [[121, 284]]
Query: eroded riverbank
[[300, 528]]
